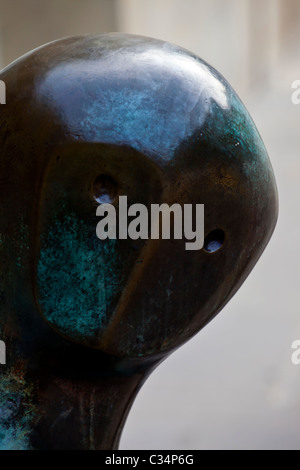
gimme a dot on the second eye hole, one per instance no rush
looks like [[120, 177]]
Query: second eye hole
[[214, 241]]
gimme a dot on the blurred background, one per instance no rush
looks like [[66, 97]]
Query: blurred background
[[233, 386]]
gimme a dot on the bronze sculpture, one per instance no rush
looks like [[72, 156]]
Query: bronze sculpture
[[84, 320]]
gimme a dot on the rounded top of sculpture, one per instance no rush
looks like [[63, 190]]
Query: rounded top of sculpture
[[122, 89]]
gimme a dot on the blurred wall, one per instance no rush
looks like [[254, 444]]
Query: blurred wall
[[26, 24]]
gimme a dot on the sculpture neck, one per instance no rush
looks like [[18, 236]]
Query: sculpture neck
[[79, 405], [87, 415]]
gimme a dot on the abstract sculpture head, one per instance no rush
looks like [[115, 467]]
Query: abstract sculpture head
[[91, 118]]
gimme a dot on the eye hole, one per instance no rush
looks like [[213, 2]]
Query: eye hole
[[105, 189], [214, 241]]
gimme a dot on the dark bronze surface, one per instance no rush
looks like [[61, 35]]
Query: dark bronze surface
[[85, 321]]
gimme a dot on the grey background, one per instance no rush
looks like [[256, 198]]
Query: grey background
[[233, 386]]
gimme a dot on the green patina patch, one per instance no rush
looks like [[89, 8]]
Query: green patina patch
[[16, 412], [78, 277]]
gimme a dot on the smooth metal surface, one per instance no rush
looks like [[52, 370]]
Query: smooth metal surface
[[84, 320]]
